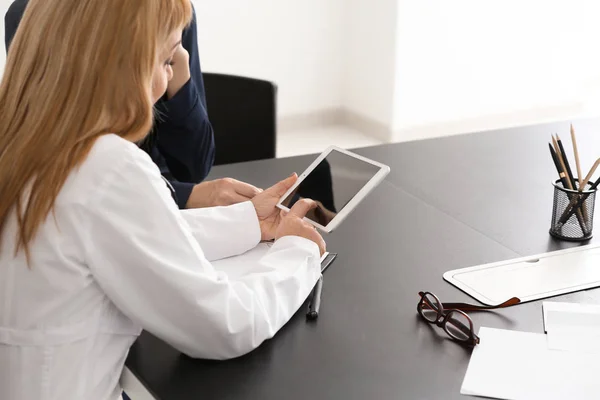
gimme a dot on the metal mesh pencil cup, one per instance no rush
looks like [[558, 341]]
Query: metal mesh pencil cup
[[572, 213]]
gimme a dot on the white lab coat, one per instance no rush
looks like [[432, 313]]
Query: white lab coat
[[117, 257]]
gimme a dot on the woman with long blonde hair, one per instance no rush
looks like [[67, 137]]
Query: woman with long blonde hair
[[92, 248]]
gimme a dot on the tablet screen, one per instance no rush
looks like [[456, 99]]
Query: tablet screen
[[332, 184]]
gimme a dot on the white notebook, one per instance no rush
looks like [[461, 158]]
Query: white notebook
[[531, 278]]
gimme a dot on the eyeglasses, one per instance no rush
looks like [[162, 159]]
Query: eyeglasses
[[452, 317]]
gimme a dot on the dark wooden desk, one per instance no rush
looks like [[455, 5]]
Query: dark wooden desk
[[448, 203]]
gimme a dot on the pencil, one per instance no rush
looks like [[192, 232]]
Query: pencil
[[555, 145], [567, 166], [572, 199], [561, 174], [592, 170], [582, 184], [581, 202], [574, 204], [576, 152], [561, 163]]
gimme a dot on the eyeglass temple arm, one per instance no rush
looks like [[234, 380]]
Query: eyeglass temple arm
[[472, 307]]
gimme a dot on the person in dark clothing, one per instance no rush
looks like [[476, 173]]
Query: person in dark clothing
[[182, 142]]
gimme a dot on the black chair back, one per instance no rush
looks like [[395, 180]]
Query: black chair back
[[243, 114]]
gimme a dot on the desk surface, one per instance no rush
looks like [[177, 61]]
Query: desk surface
[[448, 203]]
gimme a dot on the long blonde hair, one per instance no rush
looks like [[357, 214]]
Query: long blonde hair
[[76, 70]]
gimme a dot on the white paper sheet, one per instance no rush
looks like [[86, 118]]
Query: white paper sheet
[[514, 365], [593, 295], [559, 315], [579, 341], [572, 326]]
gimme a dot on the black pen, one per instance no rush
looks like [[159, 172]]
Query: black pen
[[574, 183], [314, 302], [561, 174]]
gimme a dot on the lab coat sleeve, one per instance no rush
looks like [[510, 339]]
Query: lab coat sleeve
[[224, 231], [143, 255]]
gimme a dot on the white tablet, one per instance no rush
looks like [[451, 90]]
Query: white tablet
[[337, 180]]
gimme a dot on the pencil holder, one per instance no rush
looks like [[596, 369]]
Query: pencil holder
[[573, 213]]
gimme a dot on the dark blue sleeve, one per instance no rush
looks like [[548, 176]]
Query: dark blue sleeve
[[12, 19], [184, 134], [182, 191]]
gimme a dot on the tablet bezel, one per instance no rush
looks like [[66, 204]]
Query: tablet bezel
[[348, 208]]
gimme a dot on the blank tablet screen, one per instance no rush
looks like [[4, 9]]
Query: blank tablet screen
[[332, 184]]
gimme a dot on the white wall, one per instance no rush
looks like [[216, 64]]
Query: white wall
[[296, 44], [406, 64], [369, 59], [464, 59]]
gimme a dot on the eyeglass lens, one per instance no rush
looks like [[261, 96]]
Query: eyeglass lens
[[429, 307], [458, 326], [456, 323]]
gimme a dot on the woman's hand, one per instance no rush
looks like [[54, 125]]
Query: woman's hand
[[292, 224], [221, 192], [268, 215], [275, 223]]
